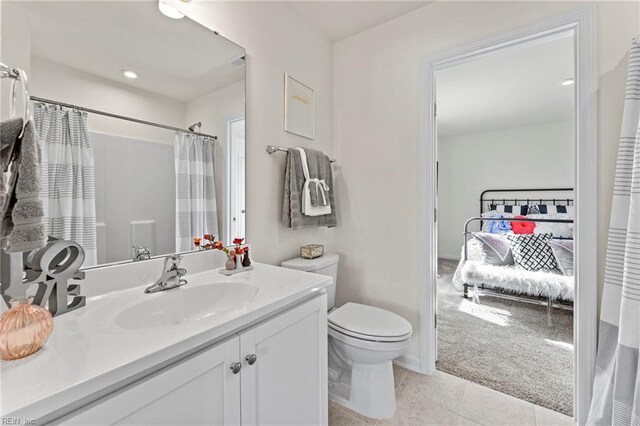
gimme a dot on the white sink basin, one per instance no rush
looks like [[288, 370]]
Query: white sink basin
[[183, 304]]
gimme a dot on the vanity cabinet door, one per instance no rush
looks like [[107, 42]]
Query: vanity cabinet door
[[284, 371], [201, 390]]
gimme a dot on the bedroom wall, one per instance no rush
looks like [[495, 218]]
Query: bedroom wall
[[376, 121], [523, 157]]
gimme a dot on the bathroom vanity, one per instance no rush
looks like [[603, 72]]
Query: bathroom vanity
[[247, 349]]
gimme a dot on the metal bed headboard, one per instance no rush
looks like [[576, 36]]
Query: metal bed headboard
[[524, 201]]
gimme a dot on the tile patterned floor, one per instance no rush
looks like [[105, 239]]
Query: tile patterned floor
[[443, 399]]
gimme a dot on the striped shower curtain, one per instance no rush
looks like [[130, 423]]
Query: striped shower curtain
[[616, 388], [196, 212], [68, 180]]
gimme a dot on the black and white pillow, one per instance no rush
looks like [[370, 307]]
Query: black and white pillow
[[532, 251], [506, 208], [553, 209]]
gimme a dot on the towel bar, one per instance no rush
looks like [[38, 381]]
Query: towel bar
[[274, 148]]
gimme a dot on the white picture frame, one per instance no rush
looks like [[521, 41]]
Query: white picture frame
[[299, 108]]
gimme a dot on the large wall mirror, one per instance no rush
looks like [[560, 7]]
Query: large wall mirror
[[141, 120]]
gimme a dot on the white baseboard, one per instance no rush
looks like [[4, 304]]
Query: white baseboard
[[448, 257], [408, 362]]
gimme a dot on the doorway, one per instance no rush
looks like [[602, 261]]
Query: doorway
[[236, 179], [504, 134], [579, 24]]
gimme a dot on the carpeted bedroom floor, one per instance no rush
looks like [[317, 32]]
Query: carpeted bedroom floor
[[505, 345]]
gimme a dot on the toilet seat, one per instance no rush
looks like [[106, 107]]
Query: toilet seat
[[367, 337], [369, 323], [372, 345]]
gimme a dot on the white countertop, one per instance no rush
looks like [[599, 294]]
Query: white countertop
[[89, 352]]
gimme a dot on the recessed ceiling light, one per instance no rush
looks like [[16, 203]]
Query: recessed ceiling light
[[130, 74], [568, 82], [169, 11]]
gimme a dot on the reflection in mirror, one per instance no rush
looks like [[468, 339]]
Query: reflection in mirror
[[141, 125]]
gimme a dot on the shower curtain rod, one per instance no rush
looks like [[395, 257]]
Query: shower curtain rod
[[121, 117]]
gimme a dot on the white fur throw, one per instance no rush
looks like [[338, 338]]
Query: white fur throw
[[513, 278]]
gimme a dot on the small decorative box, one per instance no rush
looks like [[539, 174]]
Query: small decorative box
[[311, 251]]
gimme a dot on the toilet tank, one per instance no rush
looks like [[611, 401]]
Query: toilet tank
[[324, 265]]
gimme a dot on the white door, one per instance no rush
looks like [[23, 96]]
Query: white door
[[202, 390], [236, 179], [286, 382]]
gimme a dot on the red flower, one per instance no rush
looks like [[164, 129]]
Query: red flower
[[217, 245], [209, 237], [239, 250], [196, 241], [238, 241]]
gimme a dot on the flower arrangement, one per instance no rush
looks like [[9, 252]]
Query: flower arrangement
[[238, 243], [208, 242], [238, 256]]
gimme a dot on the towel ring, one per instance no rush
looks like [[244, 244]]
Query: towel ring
[[22, 77]]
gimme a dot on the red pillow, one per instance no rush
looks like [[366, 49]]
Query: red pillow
[[522, 227]]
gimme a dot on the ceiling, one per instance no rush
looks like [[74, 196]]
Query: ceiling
[[179, 59], [515, 87], [340, 19]]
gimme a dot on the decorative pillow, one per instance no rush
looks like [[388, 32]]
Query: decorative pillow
[[496, 249], [498, 226], [506, 208], [559, 230], [492, 214], [563, 252], [522, 227], [532, 252], [555, 209]]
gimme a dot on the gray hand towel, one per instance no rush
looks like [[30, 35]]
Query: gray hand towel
[[23, 218], [9, 131], [292, 216], [317, 163]]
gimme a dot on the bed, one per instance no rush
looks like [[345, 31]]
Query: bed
[[534, 275]]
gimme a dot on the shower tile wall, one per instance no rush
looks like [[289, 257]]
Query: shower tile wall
[[129, 170]]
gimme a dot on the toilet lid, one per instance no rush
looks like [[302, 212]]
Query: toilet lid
[[369, 321]]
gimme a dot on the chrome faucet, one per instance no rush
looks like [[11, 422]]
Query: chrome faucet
[[171, 276]]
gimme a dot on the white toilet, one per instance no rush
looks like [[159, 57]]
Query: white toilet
[[363, 340]]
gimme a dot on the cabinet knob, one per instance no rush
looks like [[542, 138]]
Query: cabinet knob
[[235, 367], [251, 359]]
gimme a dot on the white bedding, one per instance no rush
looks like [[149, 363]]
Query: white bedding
[[511, 277]]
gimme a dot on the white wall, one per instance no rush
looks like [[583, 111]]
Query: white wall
[[539, 156], [61, 83], [214, 110], [277, 41], [376, 121], [14, 51]]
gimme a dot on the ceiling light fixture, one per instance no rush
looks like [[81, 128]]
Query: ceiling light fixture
[[169, 11], [568, 82], [130, 74]]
